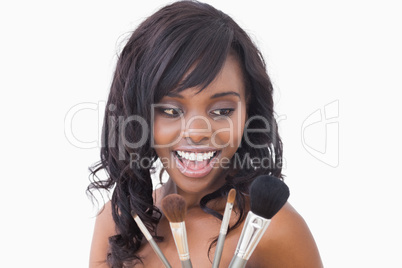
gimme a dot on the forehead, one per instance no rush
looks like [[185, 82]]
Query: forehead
[[229, 78]]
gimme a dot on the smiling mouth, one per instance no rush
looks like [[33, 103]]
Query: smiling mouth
[[196, 164], [195, 156]]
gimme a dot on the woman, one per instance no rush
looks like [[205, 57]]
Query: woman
[[191, 89]]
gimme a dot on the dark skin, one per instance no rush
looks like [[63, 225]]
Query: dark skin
[[287, 241]]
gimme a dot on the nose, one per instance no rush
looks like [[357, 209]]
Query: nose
[[198, 130]]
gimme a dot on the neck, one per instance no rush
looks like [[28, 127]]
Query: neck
[[192, 200]]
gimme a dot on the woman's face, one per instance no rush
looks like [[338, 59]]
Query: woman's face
[[196, 135]]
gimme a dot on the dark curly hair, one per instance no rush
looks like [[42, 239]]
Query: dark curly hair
[[180, 36]]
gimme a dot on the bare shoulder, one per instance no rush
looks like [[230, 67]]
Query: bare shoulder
[[104, 228], [287, 242]]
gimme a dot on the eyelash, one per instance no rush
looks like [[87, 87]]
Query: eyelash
[[228, 111], [175, 112]]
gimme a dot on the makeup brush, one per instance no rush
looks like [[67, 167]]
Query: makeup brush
[[174, 207], [150, 239], [267, 196], [224, 228]]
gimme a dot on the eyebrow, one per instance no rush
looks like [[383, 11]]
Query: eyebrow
[[217, 95], [174, 95]]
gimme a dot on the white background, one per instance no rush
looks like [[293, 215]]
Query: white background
[[345, 55]]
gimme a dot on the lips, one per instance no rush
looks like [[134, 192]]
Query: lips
[[195, 163]]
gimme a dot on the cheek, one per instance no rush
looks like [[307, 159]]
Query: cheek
[[165, 131], [239, 129], [229, 132]]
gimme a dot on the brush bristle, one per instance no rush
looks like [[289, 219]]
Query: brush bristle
[[231, 196], [174, 207], [268, 195]]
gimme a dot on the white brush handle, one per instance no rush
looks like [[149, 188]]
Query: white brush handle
[[180, 239], [253, 230], [186, 264], [237, 262], [222, 235], [159, 253], [218, 251], [151, 241]]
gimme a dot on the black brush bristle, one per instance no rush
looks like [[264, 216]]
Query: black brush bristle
[[268, 195]]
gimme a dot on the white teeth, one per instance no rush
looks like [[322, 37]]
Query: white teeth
[[196, 156]]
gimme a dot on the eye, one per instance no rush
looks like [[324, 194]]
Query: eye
[[223, 112], [171, 112]]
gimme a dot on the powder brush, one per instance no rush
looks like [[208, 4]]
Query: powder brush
[[174, 208], [267, 196]]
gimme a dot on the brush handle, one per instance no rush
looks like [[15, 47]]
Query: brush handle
[[180, 238], [253, 230], [218, 251], [186, 264], [159, 253], [222, 234], [237, 262], [151, 241]]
